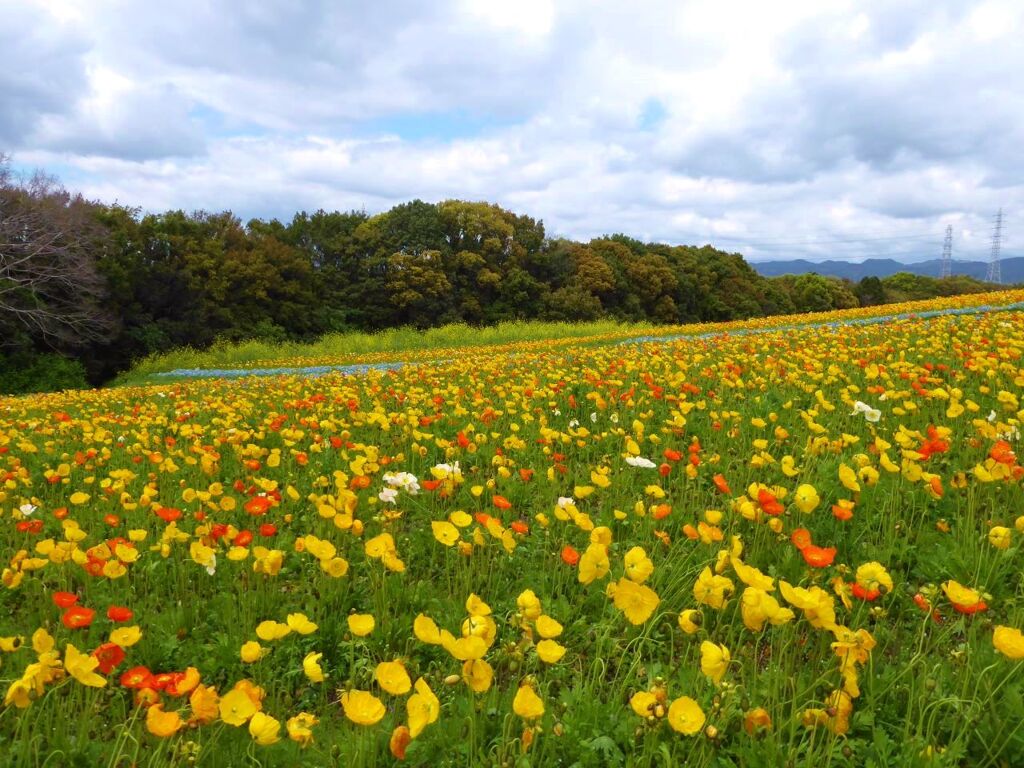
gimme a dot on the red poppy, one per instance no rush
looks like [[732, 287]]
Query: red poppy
[[570, 556], [171, 686], [168, 514], [520, 527], [77, 617], [430, 485], [526, 475], [64, 599], [268, 529], [672, 455], [218, 530], [818, 557], [868, 595], [242, 539], [119, 613], [501, 502], [664, 469], [136, 677], [160, 681], [769, 503], [110, 655]]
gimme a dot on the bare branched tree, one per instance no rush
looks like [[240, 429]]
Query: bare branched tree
[[50, 288]]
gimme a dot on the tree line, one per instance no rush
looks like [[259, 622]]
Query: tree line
[[86, 288]]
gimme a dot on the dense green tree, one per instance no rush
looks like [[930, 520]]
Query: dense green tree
[[870, 291], [176, 278]]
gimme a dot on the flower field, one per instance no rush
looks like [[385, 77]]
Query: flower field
[[799, 546]]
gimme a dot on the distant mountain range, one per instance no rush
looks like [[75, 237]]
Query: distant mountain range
[[1012, 269]]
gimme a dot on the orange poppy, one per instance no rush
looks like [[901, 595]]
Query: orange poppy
[[840, 512], [400, 739], [969, 609], [501, 502], [721, 484], [359, 482], [818, 557], [570, 556], [801, 538], [258, 505]]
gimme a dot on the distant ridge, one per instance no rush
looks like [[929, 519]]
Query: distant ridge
[[1013, 268]]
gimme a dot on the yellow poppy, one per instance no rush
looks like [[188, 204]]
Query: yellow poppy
[[362, 707]]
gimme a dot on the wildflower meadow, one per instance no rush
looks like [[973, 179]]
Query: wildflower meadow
[[770, 543]]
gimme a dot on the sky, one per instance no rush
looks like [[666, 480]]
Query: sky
[[821, 129]]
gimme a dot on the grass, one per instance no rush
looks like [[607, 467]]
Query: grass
[[438, 343], [357, 345]]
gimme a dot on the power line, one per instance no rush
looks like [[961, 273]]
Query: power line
[[916, 254], [994, 270], [755, 240], [947, 253]]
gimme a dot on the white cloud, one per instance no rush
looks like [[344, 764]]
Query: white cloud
[[779, 125]]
